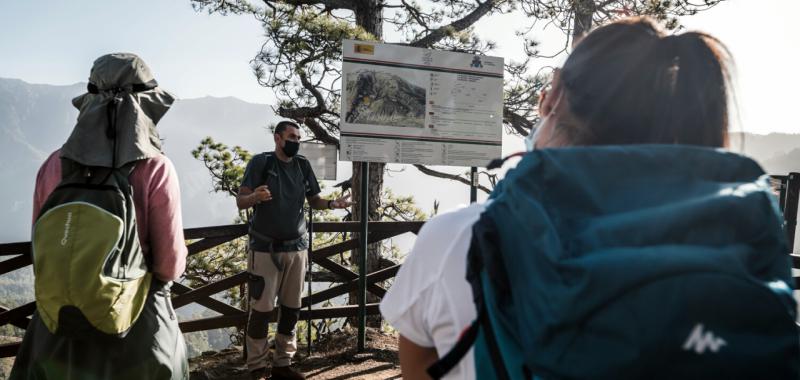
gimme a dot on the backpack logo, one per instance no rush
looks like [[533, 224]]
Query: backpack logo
[[700, 341], [67, 225]]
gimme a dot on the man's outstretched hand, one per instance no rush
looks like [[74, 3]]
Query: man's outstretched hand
[[342, 202]]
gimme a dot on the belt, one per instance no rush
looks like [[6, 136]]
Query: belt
[[273, 243]]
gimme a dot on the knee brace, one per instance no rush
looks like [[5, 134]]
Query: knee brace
[[258, 324], [288, 320]]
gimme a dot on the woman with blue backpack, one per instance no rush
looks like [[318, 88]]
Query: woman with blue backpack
[[626, 244]]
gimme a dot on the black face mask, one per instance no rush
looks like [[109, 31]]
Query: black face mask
[[290, 148]]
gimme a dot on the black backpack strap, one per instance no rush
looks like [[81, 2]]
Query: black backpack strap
[[482, 258], [68, 167], [465, 342], [495, 355], [127, 169], [305, 165], [482, 245], [72, 171], [270, 163], [475, 266], [454, 356]]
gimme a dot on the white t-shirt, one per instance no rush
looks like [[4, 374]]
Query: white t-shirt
[[430, 302]]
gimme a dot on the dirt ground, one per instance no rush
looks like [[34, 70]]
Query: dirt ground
[[333, 358]]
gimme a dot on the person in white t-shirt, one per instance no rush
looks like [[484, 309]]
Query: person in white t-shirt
[[430, 303], [591, 102]]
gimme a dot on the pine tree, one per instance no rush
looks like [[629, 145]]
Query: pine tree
[[300, 59]]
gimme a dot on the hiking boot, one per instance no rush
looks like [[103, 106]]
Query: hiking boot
[[286, 373], [259, 374]]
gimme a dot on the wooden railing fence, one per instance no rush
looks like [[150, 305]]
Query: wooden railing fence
[[787, 186], [209, 237]]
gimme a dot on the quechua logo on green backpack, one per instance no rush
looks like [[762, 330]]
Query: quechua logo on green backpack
[[90, 272]]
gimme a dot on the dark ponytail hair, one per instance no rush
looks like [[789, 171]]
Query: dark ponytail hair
[[630, 83]]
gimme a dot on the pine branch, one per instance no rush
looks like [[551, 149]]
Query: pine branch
[[520, 124], [320, 133], [329, 5], [455, 177], [461, 24], [308, 114]]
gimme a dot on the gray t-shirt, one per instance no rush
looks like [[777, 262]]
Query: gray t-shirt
[[282, 218]]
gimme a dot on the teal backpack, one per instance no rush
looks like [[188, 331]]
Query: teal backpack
[[636, 262]]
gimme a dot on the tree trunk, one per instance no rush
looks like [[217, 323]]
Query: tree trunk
[[582, 24], [369, 15]]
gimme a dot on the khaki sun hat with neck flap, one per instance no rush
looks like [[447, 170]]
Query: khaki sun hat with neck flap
[[118, 115]]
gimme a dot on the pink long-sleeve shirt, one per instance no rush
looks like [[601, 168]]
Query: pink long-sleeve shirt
[[156, 196]]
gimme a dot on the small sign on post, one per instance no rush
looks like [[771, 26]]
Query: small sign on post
[[323, 159]]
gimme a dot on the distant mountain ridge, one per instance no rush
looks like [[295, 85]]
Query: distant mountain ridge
[[778, 153], [35, 120]]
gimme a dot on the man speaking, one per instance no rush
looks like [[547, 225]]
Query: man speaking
[[275, 185]]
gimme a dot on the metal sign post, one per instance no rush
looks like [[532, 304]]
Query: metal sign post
[[310, 280], [362, 262], [473, 185], [323, 159], [790, 210]]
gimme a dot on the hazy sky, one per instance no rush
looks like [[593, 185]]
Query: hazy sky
[[195, 55]]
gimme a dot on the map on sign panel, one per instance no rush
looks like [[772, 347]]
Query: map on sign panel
[[420, 106]]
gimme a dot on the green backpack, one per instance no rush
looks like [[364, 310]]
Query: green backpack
[[90, 272]]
